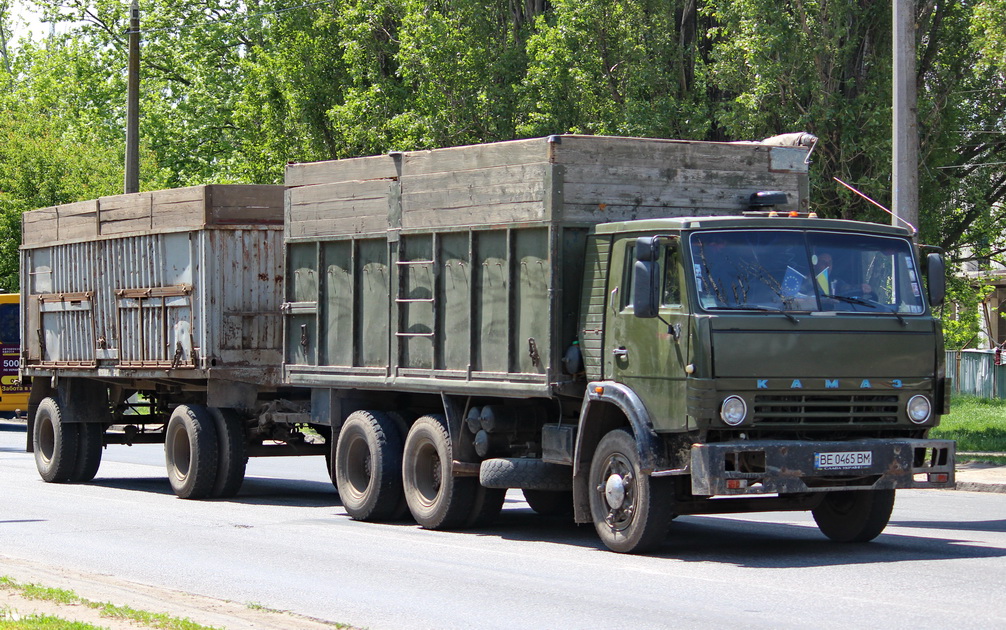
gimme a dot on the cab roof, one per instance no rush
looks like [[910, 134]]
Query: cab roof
[[748, 222]]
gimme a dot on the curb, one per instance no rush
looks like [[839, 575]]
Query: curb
[[978, 486]]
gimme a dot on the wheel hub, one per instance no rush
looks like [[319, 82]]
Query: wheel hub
[[614, 491], [618, 491]]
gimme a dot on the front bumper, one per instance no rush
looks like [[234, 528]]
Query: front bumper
[[746, 467]]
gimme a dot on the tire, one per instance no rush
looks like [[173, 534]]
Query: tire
[[631, 511], [54, 442], [232, 459], [90, 441], [854, 515], [550, 503], [436, 498], [368, 466], [526, 473], [191, 451], [487, 506]]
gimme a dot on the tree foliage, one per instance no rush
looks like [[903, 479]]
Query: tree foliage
[[234, 89]]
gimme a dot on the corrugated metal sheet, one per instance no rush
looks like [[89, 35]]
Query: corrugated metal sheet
[[208, 298], [975, 373]]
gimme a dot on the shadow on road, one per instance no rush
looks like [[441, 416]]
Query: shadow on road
[[254, 490], [756, 544], [970, 526]]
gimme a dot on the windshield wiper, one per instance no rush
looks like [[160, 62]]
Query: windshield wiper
[[755, 307], [864, 302]]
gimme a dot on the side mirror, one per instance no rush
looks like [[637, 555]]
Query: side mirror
[[645, 279], [937, 274]]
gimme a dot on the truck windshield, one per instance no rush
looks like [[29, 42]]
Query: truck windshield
[[791, 270]]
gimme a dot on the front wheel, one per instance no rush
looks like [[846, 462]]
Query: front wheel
[[854, 515], [631, 511]]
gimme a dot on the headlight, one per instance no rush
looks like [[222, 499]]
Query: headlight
[[733, 410], [919, 409]]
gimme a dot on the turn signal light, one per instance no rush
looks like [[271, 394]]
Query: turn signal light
[[736, 484], [939, 477]]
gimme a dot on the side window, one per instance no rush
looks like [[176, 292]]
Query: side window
[[9, 322], [630, 263], [671, 293]]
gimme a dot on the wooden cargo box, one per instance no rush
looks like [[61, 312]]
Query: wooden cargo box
[[180, 284], [459, 270]]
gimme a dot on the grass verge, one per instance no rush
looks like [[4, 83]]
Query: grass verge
[[105, 609], [978, 425]]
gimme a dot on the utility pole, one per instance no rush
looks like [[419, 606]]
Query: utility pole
[[905, 158], [132, 183]]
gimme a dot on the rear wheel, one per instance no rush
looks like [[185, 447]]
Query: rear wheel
[[55, 443], [90, 440], [436, 498], [191, 451], [549, 503], [233, 456], [854, 515], [631, 511], [487, 506], [368, 466]]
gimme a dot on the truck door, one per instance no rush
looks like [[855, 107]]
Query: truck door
[[649, 355]]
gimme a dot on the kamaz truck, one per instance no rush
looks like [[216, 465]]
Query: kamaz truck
[[625, 329]]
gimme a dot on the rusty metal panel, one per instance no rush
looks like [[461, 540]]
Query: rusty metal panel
[[192, 301]]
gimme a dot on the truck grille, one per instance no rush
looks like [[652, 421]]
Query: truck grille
[[826, 409]]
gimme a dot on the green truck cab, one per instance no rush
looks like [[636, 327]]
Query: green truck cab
[[764, 363]]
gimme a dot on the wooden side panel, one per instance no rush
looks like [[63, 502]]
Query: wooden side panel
[[245, 204], [355, 169], [610, 179], [353, 207], [124, 214], [39, 227], [179, 208], [494, 195], [475, 157], [78, 220]]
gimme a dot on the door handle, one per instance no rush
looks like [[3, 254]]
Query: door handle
[[620, 352]]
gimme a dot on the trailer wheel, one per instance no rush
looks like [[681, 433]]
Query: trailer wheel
[[233, 456], [436, 498], [90, 441], [368, 466], [854, 515], [191, 451], [549, 503], [487, 507], [631, 511], [55, 443]]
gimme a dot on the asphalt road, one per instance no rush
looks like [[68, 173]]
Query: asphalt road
[[284, 542]]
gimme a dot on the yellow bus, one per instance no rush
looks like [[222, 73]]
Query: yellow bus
[[13, 395]]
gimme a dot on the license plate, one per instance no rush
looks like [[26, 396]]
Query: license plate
[[847, 459]]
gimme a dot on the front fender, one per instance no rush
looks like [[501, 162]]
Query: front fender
[[596, 420]]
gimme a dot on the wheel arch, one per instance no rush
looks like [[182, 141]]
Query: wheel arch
[[608, 406]]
